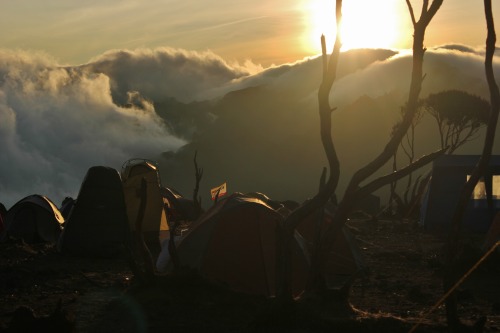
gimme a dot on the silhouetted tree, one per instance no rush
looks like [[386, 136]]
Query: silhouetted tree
[[404, 203], [453, 248], [355, 189], [459, 116]]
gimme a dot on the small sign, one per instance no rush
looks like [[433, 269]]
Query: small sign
[[219, 191]]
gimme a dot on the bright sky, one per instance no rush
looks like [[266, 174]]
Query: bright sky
[[263, 31]]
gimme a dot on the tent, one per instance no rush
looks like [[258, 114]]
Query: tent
[[180, 208], [154, 225], [261, 196], [344, 261], [97, 224], [34, 218], [493, 234], [234, 243], [3, 211], [67, 206], [449, 174]]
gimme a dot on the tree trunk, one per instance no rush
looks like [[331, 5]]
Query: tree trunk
[[451, 275], [354, 190]]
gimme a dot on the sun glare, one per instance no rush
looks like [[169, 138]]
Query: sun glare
[[365, 24]]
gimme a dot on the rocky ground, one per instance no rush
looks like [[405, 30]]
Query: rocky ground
[[41, 290]]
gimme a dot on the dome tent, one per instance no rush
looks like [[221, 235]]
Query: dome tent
[[234, 243], [97, 224], [34, 218]]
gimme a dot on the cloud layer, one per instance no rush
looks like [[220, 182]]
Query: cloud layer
[[266, 138], [56, 122], [165, 72]]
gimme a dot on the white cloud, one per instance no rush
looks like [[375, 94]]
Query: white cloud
[[165, 72], [57, 122]]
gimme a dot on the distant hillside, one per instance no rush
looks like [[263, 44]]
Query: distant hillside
[[266, 137], [272, 146], [255, 128]]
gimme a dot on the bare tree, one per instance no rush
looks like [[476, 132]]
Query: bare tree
[[355, 190], [327, 190], [454, 240], [198, 174], [405, 202]]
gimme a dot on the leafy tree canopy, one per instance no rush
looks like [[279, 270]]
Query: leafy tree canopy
[[459, 115], [458, 107]]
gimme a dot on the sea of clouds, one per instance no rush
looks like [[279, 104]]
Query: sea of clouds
[[56, 121]]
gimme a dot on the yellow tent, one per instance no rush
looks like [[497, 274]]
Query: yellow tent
[[155, 226]]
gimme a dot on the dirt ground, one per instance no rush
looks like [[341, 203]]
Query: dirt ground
[[43, 290]]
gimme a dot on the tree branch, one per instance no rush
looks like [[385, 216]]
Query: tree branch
[[351, 194], [325, 131], [326, 191], [384, 180], [412, 14], [412, 105], [198, 175]]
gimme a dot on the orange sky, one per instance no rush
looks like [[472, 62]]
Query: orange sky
[[262, 31]]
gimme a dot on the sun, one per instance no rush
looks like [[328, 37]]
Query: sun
[[365, 23]]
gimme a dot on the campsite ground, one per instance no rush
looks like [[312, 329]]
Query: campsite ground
[[100, 295]]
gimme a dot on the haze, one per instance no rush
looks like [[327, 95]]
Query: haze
[[264, 32], [98, 82]]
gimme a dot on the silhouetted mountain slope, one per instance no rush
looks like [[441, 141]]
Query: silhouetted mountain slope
[[256, 128], [266, 137], [270, 143], [185, 119]]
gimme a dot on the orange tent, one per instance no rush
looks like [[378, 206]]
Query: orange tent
[[235, 243]]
